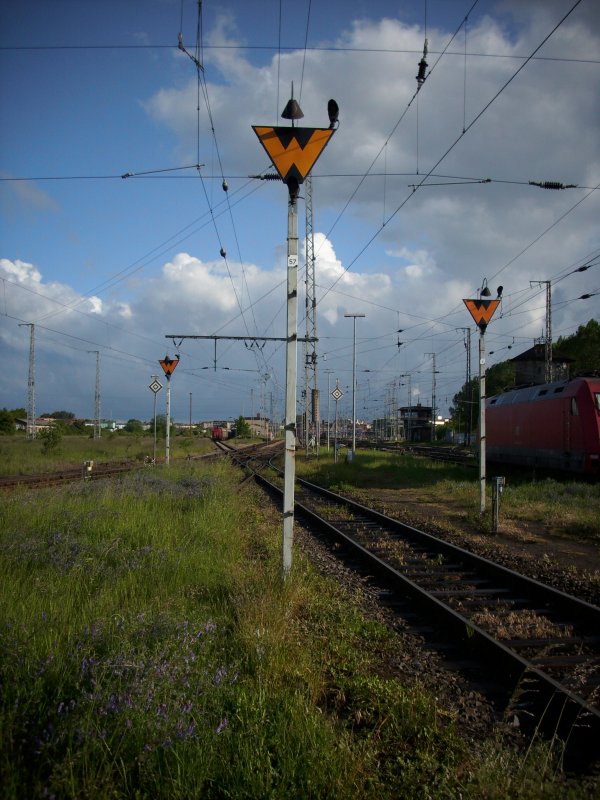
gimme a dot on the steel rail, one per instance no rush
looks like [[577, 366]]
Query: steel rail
[[542, 704]]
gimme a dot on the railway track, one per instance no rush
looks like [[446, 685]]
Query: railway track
[[69, 475], [451, 455], [72, 474], [535, 650]]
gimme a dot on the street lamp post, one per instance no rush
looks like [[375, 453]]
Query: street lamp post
[[354, 317]]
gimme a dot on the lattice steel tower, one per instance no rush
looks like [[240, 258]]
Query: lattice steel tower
[[310, 346], [97, 430], [433, 397], [469, 421], [31, 429], [547, 340]]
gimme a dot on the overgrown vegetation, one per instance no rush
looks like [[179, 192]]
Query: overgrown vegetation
[[19, 456], [564, 506], [150, 649]]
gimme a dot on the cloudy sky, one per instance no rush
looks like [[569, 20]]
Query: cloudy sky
[[404, 225]]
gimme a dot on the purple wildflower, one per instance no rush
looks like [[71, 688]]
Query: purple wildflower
[[222, 725], [219, 675]]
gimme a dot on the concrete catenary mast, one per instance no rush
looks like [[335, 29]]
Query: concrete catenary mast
[[310, 346]]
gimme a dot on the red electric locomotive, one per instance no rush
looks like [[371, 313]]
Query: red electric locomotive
[[556, 426], [217, 433]]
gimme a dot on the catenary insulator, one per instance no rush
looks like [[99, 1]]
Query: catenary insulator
[[422, 65], [552, 185], [421, 76]]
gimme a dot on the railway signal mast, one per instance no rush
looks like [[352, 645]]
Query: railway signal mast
[[168, 365], [293, 152], [310, 348], [482, 310]]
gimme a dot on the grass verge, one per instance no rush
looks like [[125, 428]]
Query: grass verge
[[20, 456], [150, 649]]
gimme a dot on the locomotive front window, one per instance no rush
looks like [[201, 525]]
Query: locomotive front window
[[597, 399], [574, 407]]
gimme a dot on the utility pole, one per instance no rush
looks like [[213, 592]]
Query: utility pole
[[31, 429], [354, 318], [467, 343], [409, 424], [548, 371], [97, 429], [433, 398]]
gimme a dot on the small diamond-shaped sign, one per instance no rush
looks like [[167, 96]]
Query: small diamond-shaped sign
[[155, 386], [337, 394]]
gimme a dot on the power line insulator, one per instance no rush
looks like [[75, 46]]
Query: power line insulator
[[225, 185], [553, 185], [223, 253], [422, 66]]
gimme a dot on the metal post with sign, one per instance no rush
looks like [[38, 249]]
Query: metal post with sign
[[155, 388], [482, 311], [354, 316], [168, 365], [337, 395], [293, 152]]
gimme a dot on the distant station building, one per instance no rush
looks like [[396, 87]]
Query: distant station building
[[260, 426], [416, 421], [40, 424]]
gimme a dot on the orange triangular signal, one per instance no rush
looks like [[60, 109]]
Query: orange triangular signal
[[482, 311], [168, 365], [293, 151]]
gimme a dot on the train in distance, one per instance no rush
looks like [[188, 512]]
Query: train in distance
[[219, 433], [552, 426]]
